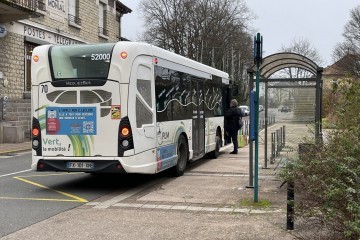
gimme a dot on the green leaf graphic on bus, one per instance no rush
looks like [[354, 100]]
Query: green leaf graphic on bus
[[80, 144]]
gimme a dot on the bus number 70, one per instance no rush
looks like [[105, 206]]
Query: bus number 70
[[44, 88]]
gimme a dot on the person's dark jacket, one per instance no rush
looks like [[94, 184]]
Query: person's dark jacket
[[233, 115]]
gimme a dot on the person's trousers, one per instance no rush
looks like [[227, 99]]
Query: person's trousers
[[234, 138]]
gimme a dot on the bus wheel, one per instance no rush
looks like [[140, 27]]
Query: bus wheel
[[214, 154], [183, 155]]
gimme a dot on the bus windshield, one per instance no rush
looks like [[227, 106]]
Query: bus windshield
[[80, 61]]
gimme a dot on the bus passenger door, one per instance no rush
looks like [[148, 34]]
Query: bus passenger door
[[142, 105], [198, 118]]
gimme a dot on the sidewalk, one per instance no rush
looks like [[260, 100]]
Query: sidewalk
[[9, 148], [210, 201]]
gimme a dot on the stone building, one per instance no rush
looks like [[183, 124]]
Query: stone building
[[25, 24]]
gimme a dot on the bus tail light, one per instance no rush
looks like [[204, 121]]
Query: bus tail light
[[36, 136], [125, 131], [125, 138], [35, 132]]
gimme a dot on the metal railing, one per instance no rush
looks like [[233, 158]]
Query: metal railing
[[103, 31], [74, 19], [28, 4]]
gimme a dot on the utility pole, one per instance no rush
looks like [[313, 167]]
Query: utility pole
[[258, 41], [232, 64], [213, 57], [202, 49]]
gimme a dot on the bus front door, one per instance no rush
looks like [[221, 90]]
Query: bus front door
[[198, 118]]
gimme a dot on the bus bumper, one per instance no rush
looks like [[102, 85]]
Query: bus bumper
[[146, 164]]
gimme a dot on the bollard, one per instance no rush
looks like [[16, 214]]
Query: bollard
[[290, 207], [277, 143], [272, 157], [284, 135], [246, 127]]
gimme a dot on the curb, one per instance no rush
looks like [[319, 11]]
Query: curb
[[14, 151]]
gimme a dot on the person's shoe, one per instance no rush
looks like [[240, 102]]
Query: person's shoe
[[233, 152]]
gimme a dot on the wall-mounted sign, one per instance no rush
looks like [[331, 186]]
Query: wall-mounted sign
[[57, 9], [43, 35], [3, 31]]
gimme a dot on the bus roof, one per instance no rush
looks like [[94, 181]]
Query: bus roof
[[176, 58]]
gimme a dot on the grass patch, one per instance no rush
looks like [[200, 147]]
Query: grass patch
[[262, 203]]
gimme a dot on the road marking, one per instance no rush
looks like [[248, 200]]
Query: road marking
[[77, 199], [21, 178], [40, 199], [9, 174]]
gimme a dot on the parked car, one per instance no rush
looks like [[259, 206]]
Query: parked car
[[285, 109], [261, 108], [245, 109]]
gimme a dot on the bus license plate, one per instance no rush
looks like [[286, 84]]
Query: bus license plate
[[80, 165]]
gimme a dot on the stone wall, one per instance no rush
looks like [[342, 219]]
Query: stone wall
[[12, 64], [17, 120]]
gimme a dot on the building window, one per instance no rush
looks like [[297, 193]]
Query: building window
[[29, 47], [74, 13], [41, 5], [102, 20], [111, 3]]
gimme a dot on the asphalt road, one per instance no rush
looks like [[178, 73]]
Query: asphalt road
[[27, 197]]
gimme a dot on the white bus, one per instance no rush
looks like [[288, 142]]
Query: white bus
[[123, 107]]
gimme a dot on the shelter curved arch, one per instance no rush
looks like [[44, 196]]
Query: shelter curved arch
[[279, 61], [279, 67]]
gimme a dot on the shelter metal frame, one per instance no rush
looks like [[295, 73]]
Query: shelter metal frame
[[274, 63]]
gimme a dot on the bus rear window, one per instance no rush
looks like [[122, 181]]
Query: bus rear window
[[80, 61]]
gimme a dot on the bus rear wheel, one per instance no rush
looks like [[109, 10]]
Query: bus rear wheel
[[183, 156]]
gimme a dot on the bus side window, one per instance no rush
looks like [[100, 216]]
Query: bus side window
[[144, 113], [143, 83]]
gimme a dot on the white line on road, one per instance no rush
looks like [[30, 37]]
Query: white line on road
[[9, 174]]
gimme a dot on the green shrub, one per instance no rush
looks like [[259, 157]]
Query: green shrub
[[327, 175]]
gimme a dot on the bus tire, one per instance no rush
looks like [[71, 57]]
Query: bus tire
[[183, 156], [214, 154]]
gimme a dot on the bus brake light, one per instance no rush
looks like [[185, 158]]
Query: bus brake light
[[35, 132]]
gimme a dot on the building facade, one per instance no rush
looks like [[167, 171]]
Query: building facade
[[26, 24]]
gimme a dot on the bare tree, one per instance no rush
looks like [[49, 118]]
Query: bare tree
[[290, 96], [305, 48], [214, 32], [349, 50]]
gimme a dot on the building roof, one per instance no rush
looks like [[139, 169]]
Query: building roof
[[341, 67], [122, 8]]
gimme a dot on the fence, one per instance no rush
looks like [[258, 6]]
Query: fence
[[271, 120]]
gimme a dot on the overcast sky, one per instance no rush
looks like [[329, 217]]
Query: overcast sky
[[321, 22]]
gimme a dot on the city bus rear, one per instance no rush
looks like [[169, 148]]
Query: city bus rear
[[76, 109]]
